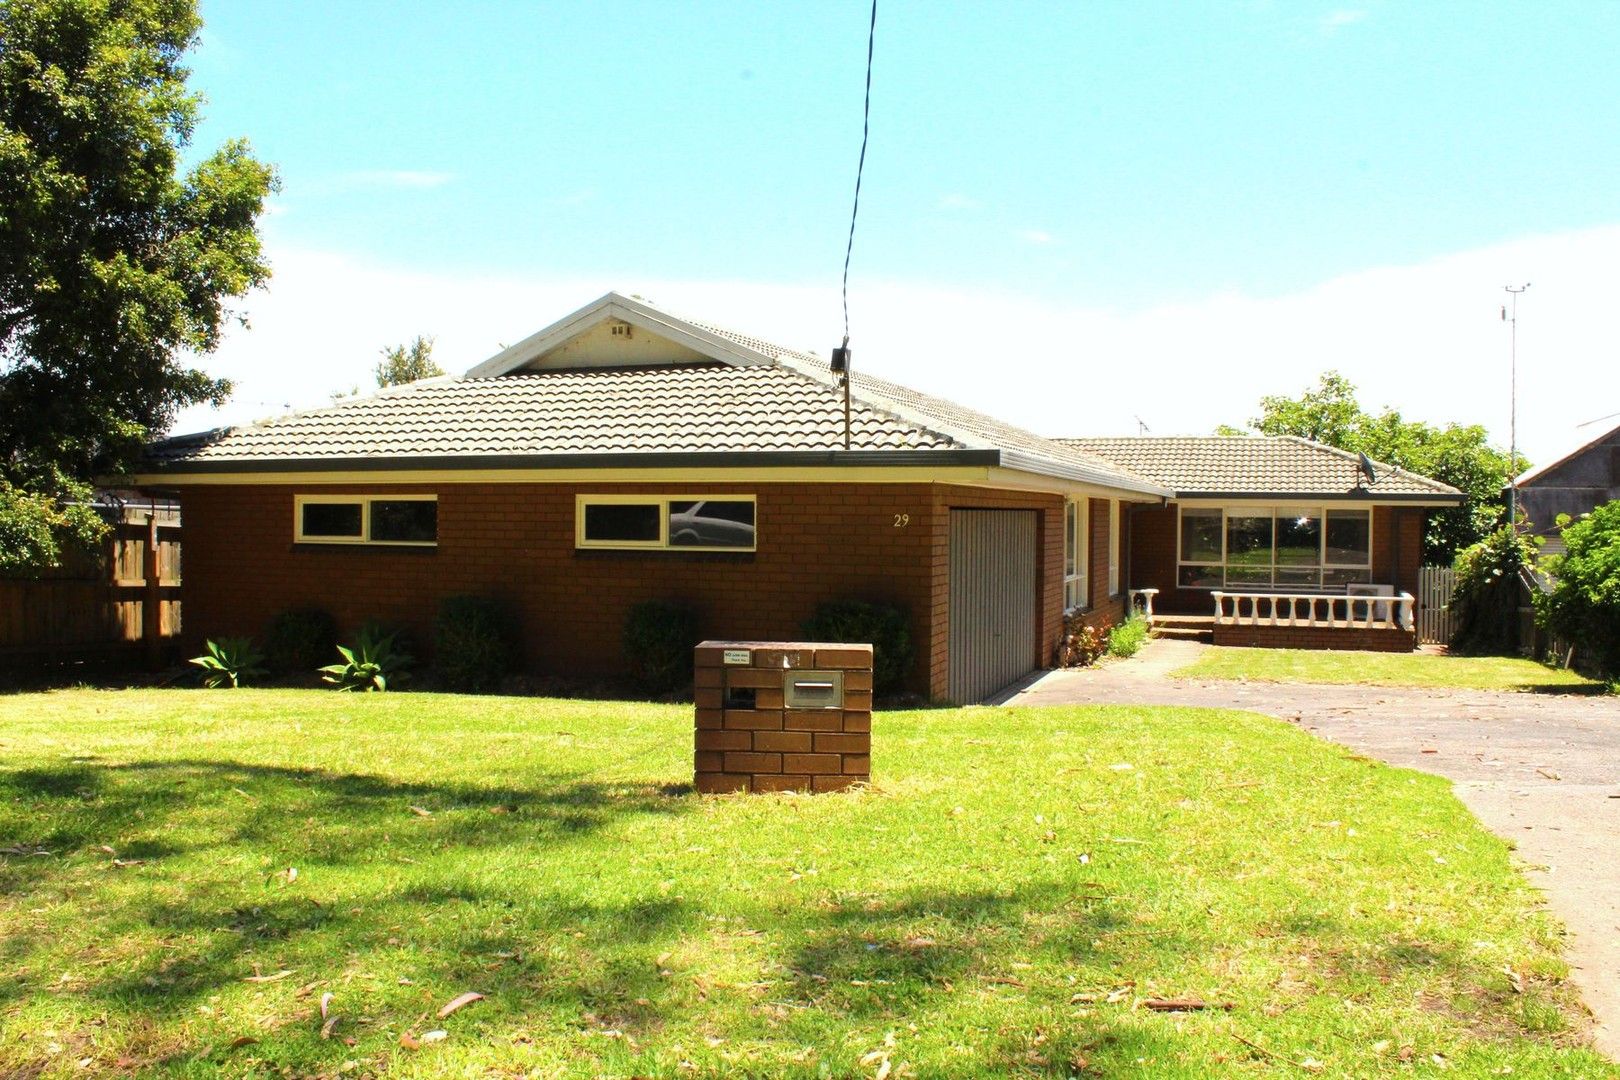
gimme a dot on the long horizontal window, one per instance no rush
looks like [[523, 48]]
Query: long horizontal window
[[1287, 548], [408, 520], [683, 522]]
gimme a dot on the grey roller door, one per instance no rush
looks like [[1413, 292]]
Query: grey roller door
[[993, 631]]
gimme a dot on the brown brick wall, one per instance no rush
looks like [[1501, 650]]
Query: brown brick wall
[[1300, 637], [816, 542]]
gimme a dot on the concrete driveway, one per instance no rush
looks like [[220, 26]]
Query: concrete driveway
[[1541, 770]]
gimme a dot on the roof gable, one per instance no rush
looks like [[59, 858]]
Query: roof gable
[[1595, 458], [619, 331]]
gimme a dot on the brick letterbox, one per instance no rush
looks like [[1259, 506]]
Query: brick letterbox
[[782, 716]]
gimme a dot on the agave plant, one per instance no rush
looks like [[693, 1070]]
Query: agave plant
[[228, 661], [371, 665]]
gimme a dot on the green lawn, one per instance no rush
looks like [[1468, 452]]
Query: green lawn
[[1003, 902], [1383, 669]]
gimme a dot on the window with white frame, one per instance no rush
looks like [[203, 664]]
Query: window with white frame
[[1113, 547], [398, 520], [665, 522], [1289, 548], [1076, 554]]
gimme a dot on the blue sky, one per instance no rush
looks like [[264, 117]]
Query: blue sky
[[1109, 160]]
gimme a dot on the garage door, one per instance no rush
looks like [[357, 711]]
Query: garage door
[[993, 619]]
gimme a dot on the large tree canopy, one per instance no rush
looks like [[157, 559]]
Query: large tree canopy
[[114, 266], [1458, 454]]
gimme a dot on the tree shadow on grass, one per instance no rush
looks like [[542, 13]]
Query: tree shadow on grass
[[154, 810]]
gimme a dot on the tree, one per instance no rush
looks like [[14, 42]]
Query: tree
[[1485, 601], [1584, 606], [1458, 454], [114, 267], [407, 363]]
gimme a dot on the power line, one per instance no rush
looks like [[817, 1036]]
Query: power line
[[841, 355], [860, 167]]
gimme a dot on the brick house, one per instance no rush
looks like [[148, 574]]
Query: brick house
[[624, 454]]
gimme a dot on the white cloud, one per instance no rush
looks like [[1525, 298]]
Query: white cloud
[[955, 200], [1425, 338], [1336, 20], [1035, 236]]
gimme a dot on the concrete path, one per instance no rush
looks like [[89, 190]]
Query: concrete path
[[1541, 770]]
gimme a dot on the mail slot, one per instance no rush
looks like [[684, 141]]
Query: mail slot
[[813, 690]]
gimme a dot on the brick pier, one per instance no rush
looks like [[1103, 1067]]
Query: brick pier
[[747, 739]]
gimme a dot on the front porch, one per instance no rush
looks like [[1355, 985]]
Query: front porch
[[1282, 620]]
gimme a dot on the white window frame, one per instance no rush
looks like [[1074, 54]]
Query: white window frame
[[662, 502], [1077, 584], [1275, 510], [1113, 547], [365, 501]]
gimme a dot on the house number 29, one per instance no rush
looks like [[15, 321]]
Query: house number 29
[[902, 520]]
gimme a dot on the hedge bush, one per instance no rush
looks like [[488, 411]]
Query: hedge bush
[[299, 641], [1127, 638], [659, 636], [885, 628], [475, 643], [1584, 606], [1486, 598]]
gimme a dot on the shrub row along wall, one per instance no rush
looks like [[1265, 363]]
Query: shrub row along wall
[[747, 739]]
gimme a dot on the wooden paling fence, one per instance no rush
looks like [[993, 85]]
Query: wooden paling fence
[[1435, 621], [121, 603]]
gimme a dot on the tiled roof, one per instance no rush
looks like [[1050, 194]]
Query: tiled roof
[[1258, 465], [679, 408], [968, 425], [780, 401]]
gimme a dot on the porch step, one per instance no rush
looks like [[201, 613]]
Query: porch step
[[1185, 627], [1185, 633]]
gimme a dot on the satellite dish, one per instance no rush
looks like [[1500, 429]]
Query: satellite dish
[[1366, 465]]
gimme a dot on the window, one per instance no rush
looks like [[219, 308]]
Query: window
[[687, 522], [400, 520], [1285, 547], [1113, 547], [1076, 554]]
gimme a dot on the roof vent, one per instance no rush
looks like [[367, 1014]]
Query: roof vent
[[619, 329]]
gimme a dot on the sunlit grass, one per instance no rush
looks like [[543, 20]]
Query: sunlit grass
[[1435, 670], [1002, 902]]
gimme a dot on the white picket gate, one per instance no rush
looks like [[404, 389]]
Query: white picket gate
[[1434, 619]]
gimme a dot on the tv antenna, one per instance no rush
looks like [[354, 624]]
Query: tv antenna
[[1513, 400], [1141, 426]]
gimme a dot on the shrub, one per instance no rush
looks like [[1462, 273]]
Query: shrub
[[1486, 598], [1080, 644], [297, 641], [883, 627], [228, 661], [475, 643], [1127, 638], [659, 636], [1584, 605], [374, 663]]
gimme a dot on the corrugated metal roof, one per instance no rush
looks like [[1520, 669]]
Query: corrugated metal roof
[[1258, 465]]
